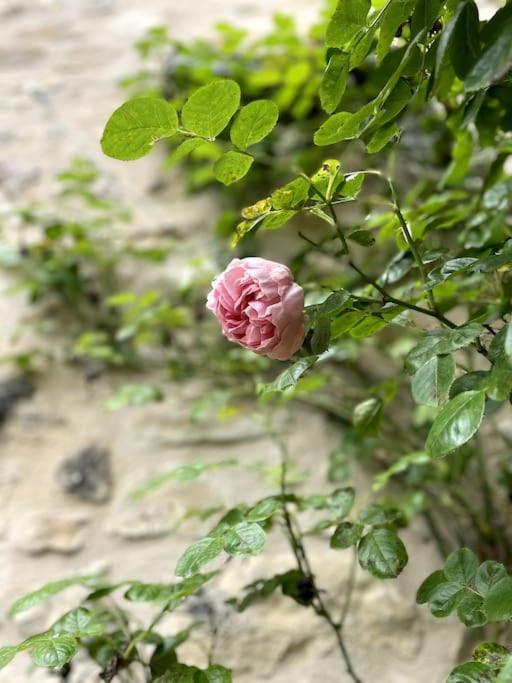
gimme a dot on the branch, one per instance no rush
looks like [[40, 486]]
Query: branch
[[305, 569]]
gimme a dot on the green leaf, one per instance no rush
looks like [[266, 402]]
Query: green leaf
[[346, 534], [48, 590], [459, 43], [471, 612], [334, 81], [444, 598], [499, 381], [263, 588], [429, 585], [80, 623], [382, 553], [505, 675], [198, 554], [341, 502], [400, 95], [344, 126], [253, 123], [159, 593], [501, 344], [232, 166], [348, 19], [167, 594], [381, 138], [218, 674], [209, 109], [7, 654], [461, 158], [181, 673], [182, 474], [367, 416], [438, 342], [257, 210], [424, 15], [498, 601], [492, 654], [401, 465], [263, 510], [52, 650], [321, 335], [351, 186], [395, 14], [488, 574], [276, 219], [380, 514], [456, 423], [346, 322], [460, 566], [134, 395], [290, 376], [471, 672], [369, 325], [448, 269], [245, 539], [362, 46], [496, 54], [471, 381], [334, 303], [431, 383], [136, 125], [290, 196]]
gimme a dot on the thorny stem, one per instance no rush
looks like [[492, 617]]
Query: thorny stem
[[388, 297], [305, 569]]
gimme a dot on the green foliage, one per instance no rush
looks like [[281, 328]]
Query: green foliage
[[48, 590], [199, 554], [456, 423], [231, 167], [290, 376], [382, 553], [431, 383], [208, 110], [253, 123], [478, 593], [133, 129], [334, 80]]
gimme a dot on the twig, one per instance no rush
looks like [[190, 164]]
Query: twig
[[399, 302], [305, 569], [412, 245]]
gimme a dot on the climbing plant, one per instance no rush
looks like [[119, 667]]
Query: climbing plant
[[400, 252]]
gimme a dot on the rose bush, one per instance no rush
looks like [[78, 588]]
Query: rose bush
[[260, 307], [412, 299]]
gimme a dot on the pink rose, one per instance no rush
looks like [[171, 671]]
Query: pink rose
[[259, 306]]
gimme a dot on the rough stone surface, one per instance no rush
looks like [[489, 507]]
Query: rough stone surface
[[11, 392], [86, 474], [60, 64], [38, 533]]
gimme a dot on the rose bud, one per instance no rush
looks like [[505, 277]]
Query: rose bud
[[259, 306]]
